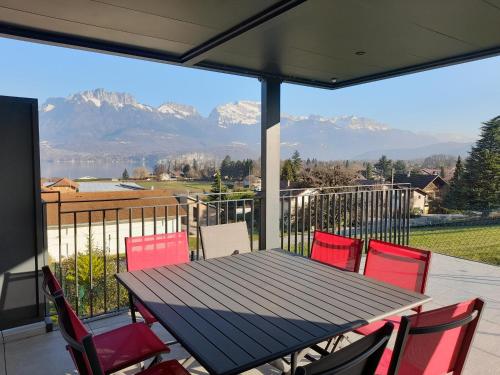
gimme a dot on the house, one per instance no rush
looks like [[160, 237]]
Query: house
[[430, 186], [294, 199], [106, 218], [64, 185], [253, 182], [167, 177], [431, 171], [418, 201]]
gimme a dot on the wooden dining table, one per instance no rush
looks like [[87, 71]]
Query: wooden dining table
[[238, 312]]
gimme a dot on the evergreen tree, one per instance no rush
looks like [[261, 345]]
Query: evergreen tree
[[296, 163], [400, 167], [218, 187], [456, 198], [225, 166], [384, 167], [125, 175], [287, 171], [369, 171], [482, 169]]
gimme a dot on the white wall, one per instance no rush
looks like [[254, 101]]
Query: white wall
[[82, 237]]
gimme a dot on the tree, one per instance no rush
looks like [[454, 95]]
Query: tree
[[185, 169], [325, 176], [482, 169], [384, 167], [369, 171], [400, 167], [287, 171], [296, 161], [159, 170], [225, 166], [442, 171], [456, 198], [218, 187], [140, 172], [195, 164], [125, 175]]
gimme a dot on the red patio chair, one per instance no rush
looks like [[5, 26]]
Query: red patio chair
[[107, 352], [433, 342], [338, 251], [359, 358], [154, 251], [398, 265]]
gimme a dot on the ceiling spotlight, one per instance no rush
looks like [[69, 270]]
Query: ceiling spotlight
[[333, 80], [360, 53]]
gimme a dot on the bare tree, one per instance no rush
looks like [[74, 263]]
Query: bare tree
[[140, 173]]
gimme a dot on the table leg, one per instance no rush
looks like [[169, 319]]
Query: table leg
[[132, 307], [294, 363]]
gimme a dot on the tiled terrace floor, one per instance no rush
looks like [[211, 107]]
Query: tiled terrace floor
[[451, 280]]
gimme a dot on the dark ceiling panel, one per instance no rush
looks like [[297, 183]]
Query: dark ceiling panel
[[216, 14], [310, 43]]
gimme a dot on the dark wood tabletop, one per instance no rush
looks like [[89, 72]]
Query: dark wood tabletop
[[238, 312]]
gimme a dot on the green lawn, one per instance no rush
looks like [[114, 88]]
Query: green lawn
[[480, 243], [178, 186]]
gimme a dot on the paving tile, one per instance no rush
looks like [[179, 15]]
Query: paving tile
[[98, 325], [2, 358], [43, 354], [482, 363]]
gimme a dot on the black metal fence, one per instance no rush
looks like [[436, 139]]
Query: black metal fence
[[373, 211], [85, 238]]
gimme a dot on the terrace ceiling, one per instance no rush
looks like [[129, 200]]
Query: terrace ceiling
[[307, 42]]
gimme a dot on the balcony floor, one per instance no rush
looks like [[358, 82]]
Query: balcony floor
[[451, 280]]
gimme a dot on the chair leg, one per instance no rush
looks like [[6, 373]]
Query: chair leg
[[132, 307], [335, 344], [281, 365], [188, 362], [157, 359]]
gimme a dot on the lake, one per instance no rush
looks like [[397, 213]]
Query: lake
[[78, 170]]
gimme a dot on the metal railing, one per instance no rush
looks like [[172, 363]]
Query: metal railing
[[370, 211], [84, 239]]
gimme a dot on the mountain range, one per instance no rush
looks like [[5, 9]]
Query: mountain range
[[110, 125]]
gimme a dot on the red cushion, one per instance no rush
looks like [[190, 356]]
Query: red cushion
[[128, 345], [385, 361], [166, 368], [372, 327], [146, 315]]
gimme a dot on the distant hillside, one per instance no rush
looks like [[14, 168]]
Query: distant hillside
[[446, 148], [100, 124]]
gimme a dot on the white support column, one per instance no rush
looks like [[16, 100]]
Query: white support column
[[270, 159]]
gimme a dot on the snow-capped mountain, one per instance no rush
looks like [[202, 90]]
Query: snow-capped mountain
[[101, 123], [243, 112], [178, 110]]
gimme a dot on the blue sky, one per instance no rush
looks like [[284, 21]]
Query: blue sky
[[449, 100]]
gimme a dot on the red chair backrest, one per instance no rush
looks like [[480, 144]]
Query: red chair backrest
[[156, 250], [80, 342], [436, 341], [338, 251], [398, 265], [50, 282]]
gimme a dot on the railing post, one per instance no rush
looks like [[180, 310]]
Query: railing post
[[270, 159]]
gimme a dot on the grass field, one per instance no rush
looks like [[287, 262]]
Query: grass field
[[480, 243], [178, 186]]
